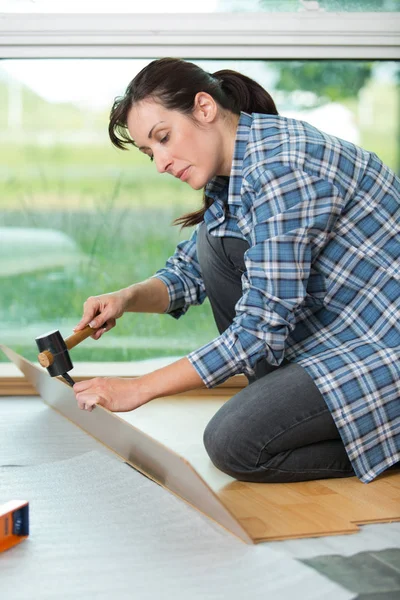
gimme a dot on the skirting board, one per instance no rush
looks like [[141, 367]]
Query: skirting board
[[163, 440], [13, 383]]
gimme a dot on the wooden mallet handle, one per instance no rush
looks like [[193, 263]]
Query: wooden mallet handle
[[74, 339]]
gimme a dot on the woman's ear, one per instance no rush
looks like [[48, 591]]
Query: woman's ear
[[204, 108]]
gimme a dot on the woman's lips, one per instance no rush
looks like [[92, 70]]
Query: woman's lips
[[183, 175]]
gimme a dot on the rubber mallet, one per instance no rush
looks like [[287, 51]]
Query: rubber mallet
[[54, 355]]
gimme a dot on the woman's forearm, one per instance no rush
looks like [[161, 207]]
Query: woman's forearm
[[149, 296], [125, 394], [176, 378]]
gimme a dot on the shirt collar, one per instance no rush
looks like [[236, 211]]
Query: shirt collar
[[236, 176], [217, 188]]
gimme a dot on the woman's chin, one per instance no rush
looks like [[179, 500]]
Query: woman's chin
[[197, 184]]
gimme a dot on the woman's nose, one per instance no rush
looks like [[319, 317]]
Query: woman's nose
[[163, 163]]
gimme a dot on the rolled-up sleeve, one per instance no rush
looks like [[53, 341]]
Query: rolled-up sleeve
[[183, 279], [289, 216]]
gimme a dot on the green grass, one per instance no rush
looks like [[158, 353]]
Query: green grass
[[123, 227], [86, 177], [123, 246]]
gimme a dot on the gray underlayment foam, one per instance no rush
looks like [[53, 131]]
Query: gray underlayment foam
[[99, 529]]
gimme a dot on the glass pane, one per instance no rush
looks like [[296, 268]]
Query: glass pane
[[206, 6], [360, 5], [299, 5], [79, 218]]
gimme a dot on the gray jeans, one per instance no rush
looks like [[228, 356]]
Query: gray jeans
[[278, 428]]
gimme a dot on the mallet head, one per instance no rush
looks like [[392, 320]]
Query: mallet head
[[54, 353]]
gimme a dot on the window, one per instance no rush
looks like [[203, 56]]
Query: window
[[78, 217]]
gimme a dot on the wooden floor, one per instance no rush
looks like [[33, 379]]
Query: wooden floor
[[312, 509], [164, 440], [269, 511]]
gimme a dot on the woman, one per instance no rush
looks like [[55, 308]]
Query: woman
[[297, 248]]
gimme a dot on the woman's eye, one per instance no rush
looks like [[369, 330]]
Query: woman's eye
[[164, 139], [151, 158]]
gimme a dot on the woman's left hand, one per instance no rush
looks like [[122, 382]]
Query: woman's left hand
[[121, 395], [114, 393]]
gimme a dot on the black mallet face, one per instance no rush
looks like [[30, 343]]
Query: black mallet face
[[53, 342]]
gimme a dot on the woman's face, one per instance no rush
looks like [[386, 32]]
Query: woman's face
[[194, 152]]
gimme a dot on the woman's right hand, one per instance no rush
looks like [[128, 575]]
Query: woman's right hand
[[101, 312]]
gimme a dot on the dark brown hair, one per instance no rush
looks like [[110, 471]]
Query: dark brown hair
[[174, 83]]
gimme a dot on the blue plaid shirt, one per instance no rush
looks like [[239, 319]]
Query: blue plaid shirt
[[322, 280]]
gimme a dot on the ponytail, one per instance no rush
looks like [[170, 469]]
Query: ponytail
[[242, 94]]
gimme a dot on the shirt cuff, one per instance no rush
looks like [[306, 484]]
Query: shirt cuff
[[176, 307], [224, 357]]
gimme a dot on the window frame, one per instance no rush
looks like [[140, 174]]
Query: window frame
[[302, 35]]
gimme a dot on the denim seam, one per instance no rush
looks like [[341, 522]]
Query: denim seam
[[306, 470], [288, 429]]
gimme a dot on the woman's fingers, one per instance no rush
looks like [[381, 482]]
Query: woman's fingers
[[109, 324], [88, 393], [96, 312], [98, 318], [91, 392], [113, 393], [98, 333], [91, 308], [88, 401], [101, 312], [90, 384]]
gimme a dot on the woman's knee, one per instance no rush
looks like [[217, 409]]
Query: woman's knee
[[227, 446]]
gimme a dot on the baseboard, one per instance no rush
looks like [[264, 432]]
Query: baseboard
[[13, 383]]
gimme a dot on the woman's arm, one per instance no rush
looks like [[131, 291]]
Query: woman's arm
[[121, 395], [149, 296], [101, 312], [172, 289]]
